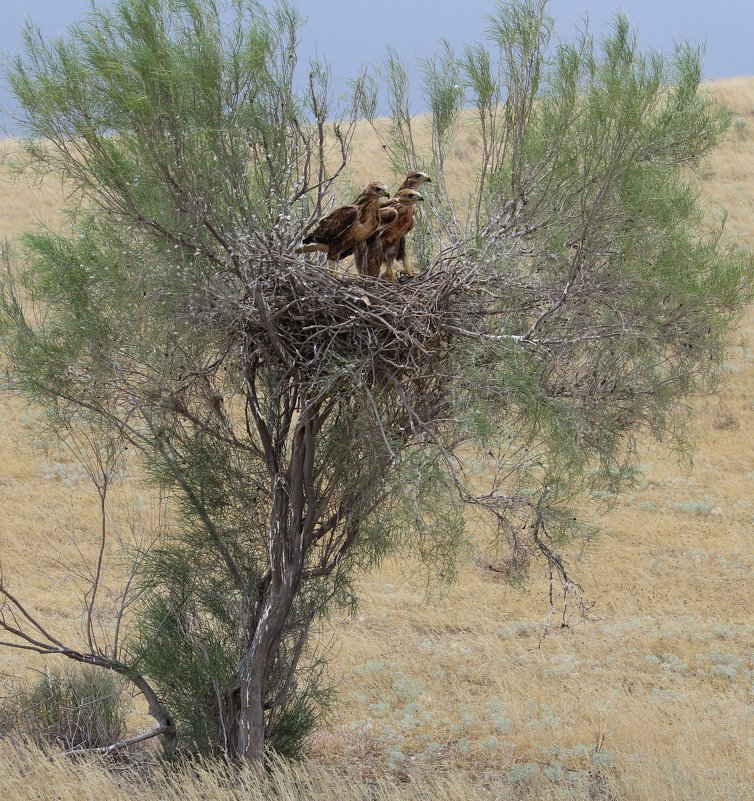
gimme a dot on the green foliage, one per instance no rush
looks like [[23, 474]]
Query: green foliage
[[186, 640], [83, 707], [187, 651], [587, 300], [296, 721], [611, 297], [195, 102]]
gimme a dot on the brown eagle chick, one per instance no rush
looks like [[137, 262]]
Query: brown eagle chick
[[347, 226], [367, 255], [414, 179], [392, 241]]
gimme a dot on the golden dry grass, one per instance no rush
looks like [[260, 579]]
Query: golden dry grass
[[22, 205], [659, 678], [28, 775]]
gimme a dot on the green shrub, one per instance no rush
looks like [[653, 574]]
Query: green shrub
[[83, 707]]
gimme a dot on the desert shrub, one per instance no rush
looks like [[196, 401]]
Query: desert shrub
[[83, 707], [302, 424]]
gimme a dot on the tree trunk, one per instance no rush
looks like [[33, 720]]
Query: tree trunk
[[291, 520], [254, 671], [158, 711], [250, 747]]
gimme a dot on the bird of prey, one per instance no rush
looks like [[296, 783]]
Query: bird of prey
[[347, 226], [387, 246], [413, 179], [367, 255]]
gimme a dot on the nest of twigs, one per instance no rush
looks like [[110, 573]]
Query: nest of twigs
[[311, 317]]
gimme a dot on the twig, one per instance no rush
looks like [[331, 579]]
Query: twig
[[109, 749]]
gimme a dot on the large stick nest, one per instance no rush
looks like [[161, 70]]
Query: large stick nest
[[310, 318]]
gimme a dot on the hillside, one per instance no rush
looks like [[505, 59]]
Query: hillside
[[658, 679]]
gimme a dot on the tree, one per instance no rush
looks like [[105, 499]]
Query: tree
[[307, 423]]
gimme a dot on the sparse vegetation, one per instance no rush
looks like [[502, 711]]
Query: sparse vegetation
[[77, 708], [637, 600]]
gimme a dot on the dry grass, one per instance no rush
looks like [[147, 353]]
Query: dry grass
[[22, 205], [29, 776], [652, 697]]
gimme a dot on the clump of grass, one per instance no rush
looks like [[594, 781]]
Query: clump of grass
[[698, 508], [524, 774], [83, 707]]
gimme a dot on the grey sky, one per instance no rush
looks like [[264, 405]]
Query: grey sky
[[349, 33]]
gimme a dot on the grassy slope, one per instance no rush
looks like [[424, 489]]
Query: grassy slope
[[662, 672]]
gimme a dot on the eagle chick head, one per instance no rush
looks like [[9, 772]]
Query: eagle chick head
[[416, 179], [375, 188], [409, 196]]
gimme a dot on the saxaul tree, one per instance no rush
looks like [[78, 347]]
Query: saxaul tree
[[304, 422]]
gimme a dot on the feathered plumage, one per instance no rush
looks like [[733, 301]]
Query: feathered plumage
[[413, 179], [347, 226], [368, 254], [392, 241]]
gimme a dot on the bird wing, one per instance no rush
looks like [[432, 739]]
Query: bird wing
[[401, 254], [360, 257], [388, 215], [402, 225], [334, 225]]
